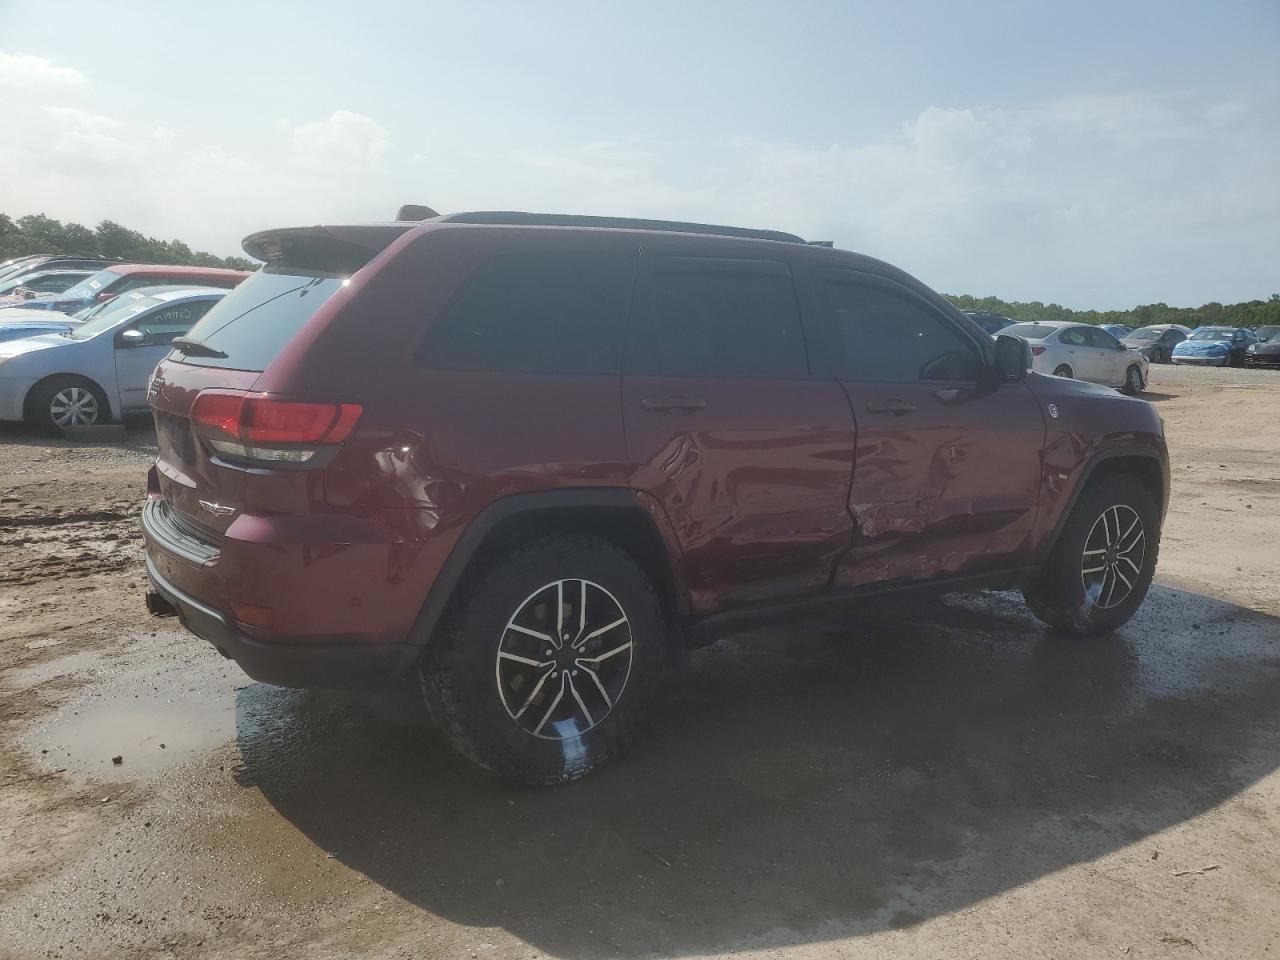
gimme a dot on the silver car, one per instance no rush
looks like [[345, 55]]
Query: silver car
[[98, 371], [1083, 352]]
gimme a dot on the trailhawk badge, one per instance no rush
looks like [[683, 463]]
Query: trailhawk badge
[[1053, 410]]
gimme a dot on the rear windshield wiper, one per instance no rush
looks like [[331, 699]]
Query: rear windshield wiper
[[198, 347]]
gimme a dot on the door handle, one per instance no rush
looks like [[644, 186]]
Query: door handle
[[674, 404], [893, 405]]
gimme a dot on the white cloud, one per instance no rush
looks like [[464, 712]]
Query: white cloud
[[86, 138], [1090, 201], [24, 70], [345, 138]]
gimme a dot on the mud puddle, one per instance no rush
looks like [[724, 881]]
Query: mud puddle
[[166, 701]]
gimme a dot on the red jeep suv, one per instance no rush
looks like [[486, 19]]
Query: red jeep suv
[[526, 457]]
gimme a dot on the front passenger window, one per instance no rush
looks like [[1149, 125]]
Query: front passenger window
[[891, 337], [1102, 340], [165, 326]]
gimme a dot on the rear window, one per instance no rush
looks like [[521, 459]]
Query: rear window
[[253, 322], [1029, 331]]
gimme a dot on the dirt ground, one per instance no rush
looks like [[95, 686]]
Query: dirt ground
[[949, 781]]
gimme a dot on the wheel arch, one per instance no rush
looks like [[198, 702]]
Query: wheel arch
[[112, 411], [628, 518], [1145, 465]]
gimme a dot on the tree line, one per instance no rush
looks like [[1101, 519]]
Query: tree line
[[1254, 313], [37, 233]]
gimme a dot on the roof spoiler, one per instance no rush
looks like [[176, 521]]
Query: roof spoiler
[[415, 211], [334, 249]]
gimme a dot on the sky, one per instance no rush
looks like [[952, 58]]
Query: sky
[[1093, 154]]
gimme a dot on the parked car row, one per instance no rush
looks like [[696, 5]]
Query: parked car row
[[79, 343], [1088, 352]]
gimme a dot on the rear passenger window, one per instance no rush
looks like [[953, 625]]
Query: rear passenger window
[[1074, 337], [890, 337], [536, 313], [717, 318]]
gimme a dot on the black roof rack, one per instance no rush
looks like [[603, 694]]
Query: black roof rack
[[514, 218]]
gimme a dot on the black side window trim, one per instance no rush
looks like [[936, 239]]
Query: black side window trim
[[819, 277], [650, 265]]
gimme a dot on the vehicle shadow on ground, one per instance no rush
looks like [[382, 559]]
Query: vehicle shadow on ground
[[797, 786], [140, 434]]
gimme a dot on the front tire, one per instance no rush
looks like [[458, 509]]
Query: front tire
[[1101, 567], [546, 658], [1133, 384], [66, 401]]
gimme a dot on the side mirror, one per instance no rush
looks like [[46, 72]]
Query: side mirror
[[1013, 358], [131, 338]]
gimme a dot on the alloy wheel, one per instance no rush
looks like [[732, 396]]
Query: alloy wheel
[[563, 659], [73, 406], [1135, 380], [1113, 556]]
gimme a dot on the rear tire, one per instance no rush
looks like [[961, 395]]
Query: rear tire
[[1063, 371], [1133, 384], [1157, 356], [65, 401], [1095, 592], [540, 710]]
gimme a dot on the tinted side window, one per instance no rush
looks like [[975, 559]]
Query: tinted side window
[[536, 313], [1074, 337], [717, 318], [891, 337]]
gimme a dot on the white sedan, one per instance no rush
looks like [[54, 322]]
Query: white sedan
[[98, 370], [1083, 352]]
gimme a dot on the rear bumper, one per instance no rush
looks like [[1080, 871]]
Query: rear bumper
[[332, 665]]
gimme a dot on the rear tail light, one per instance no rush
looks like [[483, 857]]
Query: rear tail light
[[258, 428], [1036, 351]]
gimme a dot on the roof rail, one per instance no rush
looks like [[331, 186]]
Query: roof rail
[[515, 218]]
